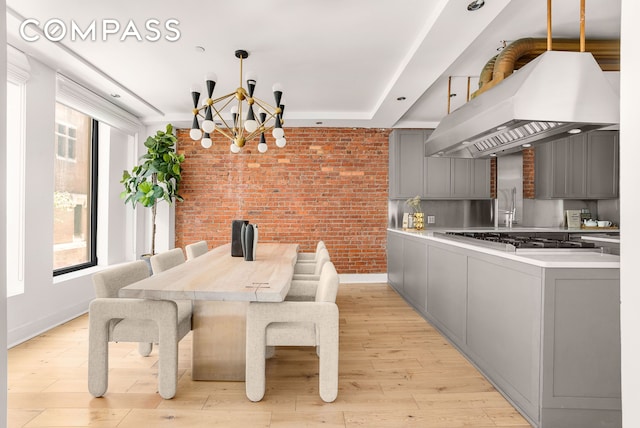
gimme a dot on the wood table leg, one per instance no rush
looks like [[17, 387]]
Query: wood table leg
[[219, 340]]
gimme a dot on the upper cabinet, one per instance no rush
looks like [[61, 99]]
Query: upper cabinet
[[406, 156], [470, 178], [602, 164], [411, 173], [437, 179], [583, 166]]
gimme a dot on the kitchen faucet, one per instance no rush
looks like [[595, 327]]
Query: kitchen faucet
[[510, 215]]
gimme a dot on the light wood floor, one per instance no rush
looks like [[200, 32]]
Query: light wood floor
[[395, 371]]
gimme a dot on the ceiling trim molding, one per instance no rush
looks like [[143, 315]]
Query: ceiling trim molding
[[18, 67], [78, 97]]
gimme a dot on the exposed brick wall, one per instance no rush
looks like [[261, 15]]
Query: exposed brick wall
[[494, 178], [528, 173], [327, 184]]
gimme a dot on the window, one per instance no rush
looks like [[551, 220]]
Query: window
[[75, 190], [66, 141]]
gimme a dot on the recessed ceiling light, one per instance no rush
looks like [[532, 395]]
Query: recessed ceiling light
[[501, 127], [493, 155], [200, 49], [475, 5], [115, 95], [466, 143], [574, 131], [401, 98], [525, 145]]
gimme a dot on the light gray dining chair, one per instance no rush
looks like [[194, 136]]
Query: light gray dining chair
[[315, 323], [116, 319], [196, 249], [311, 271], [304, 282], [311, 257], [166, 260]]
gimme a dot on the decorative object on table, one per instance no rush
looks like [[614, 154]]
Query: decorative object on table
[[156, 178], [236, 237], [574, 219], [405, 220], [249, 241], [417, 215], [243, 126], [418, 220]]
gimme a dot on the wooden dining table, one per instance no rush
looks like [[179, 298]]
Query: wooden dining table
[[221, 287]]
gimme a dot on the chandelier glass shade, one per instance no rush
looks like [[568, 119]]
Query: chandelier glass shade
[[250, 116]]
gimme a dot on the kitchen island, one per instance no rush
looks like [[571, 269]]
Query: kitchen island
[[542, 326]]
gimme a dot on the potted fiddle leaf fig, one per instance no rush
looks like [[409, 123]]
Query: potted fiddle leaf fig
[[156, 178]]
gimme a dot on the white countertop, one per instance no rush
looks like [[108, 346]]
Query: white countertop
[[546, 258], [602, 238]]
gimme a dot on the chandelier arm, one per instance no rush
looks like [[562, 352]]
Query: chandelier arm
[[217, 112], [217, 100], [224, 132], [270, 111], [262, 103], [239, 125], [257, 132]]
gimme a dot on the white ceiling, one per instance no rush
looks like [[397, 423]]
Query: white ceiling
[[341, 62]]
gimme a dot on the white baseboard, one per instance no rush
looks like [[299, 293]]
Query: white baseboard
[[25, 332], [363, 278]]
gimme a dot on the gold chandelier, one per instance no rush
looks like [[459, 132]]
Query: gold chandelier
[[243, 127]]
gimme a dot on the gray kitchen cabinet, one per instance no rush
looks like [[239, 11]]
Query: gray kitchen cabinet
[[406, 154], [437, 182], [395, 263], [470, 178], [447, 291], [503, 327], [602, 164], [415, 272], [547, 338], [411, 173], [581, 348], [569, 156], [583, 166], [457, 178], [461, 176], [407, 268]]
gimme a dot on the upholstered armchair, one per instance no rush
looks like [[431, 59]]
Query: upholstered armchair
[[115, 319], [311, 271], [166, 260], [314, 323], [311, 257], [196, 249]]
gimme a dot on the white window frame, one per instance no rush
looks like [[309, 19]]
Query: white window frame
[[18, 73], [67, 137]]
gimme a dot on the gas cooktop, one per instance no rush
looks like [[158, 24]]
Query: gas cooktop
[[512, 242]]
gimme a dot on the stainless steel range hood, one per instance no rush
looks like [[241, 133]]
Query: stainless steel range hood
[[554, 94]]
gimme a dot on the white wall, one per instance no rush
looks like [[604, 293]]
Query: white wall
[[49, 301], [629, 209]]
